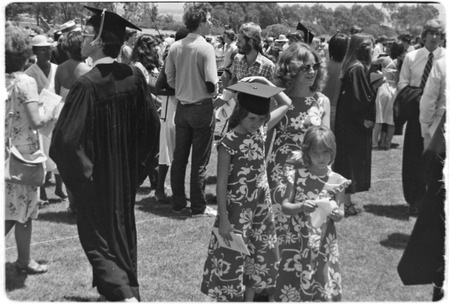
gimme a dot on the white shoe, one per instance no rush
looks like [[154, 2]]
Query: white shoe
[[209, 212]]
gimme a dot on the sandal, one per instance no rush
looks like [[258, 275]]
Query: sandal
[[31, 270], [350, 209]]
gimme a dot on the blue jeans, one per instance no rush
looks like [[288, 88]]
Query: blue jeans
[[194, 128]]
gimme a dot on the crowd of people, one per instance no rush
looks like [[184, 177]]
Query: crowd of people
[[302, 115]]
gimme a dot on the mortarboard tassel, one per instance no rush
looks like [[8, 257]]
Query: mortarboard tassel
[[101, 29]]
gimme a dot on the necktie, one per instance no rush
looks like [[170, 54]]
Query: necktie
[[426, 71]]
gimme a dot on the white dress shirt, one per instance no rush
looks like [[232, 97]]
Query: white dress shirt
[[413, 65], [433, 100]]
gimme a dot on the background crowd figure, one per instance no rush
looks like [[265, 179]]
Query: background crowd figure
[[137, 106]]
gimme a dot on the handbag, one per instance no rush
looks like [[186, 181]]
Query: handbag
[[23, 170]]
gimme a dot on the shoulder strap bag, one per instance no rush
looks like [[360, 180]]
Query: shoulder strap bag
[[19, 169]]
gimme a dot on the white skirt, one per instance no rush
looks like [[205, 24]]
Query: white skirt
[[167, 133]]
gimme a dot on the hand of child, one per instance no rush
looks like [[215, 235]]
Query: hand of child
[[337, 214], [224, 231], [258, 79], [308, 206]]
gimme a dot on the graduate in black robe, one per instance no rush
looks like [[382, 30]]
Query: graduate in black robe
[[423, 261], [106, 131], [355, 118]]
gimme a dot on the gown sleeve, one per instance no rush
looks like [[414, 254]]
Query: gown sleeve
[[363, 103], [71, 146]]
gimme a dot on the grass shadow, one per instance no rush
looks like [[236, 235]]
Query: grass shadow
[[396, 241], [144, 190], [399, 212], [80, 299], [63, 217], [151, 205], [16, 280], [13, 279]]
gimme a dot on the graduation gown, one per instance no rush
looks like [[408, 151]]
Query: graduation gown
[[106, 131], [423, 260], [407, 106], [356, 103]]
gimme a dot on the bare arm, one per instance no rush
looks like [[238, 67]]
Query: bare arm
[[34, 116], [326, 114], [223, 168]]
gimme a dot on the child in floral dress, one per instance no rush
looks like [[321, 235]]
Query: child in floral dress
[[244, 205], [309, 267]]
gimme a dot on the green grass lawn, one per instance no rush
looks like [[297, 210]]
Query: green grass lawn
[[172, 248]]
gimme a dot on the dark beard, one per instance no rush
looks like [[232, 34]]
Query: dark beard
[[245, 49]]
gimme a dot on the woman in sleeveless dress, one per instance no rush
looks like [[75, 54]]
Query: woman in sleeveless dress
[[301, 71], [66, 75]]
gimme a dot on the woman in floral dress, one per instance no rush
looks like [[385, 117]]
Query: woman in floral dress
[[301, 71], [244, 205], [309, 268], [21, 121]]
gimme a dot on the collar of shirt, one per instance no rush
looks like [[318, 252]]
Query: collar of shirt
[[104, 60], [195, 36], [258, 60]]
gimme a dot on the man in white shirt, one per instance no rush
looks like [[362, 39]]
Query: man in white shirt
[[411, 76], [192, 71], [433, 101]]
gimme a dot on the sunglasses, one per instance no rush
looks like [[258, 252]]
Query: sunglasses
[[307, 68]]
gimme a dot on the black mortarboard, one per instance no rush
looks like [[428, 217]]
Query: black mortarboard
[[254, 96], [110, 21], [307, 34]]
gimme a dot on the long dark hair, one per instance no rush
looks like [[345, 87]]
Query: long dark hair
[[359, 51], [145, 52]]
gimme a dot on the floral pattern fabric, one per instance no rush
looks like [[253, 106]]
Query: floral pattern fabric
[[227, 272], [309, 267], [287, 137], [21, 202]]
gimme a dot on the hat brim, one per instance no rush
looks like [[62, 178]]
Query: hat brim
[[43, 44], [68, 29]]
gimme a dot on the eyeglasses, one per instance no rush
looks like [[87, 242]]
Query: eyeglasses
[[307, 68]]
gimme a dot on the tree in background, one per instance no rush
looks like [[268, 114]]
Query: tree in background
[[390, 19], [275, 30]]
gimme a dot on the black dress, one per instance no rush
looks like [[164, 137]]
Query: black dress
[[355, 104], [107, 129]]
